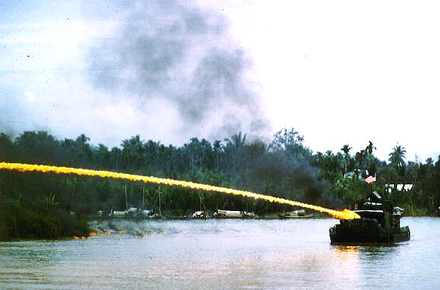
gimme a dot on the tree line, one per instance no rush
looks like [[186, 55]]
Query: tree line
[[47, 205]]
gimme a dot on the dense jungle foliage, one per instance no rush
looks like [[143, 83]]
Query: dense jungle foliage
[[36, 205]]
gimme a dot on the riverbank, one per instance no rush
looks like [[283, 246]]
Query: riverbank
[[23, 223]]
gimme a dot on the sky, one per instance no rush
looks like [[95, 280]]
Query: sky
[[339, 72]]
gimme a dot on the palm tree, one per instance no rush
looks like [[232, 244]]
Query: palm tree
[[369, 149], [397, 161], [346, 149], [370, 160], [360, 158], [397, 156], [217, 147], [133, 152], [234, 148], [238, 140]]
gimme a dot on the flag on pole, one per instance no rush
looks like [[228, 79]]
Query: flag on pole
[[371, 178]]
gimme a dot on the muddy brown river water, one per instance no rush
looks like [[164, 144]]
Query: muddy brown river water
[[224, 254]]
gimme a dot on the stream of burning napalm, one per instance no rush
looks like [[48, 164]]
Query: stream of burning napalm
[[345, 214]]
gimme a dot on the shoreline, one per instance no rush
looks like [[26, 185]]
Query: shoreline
[[105, 226]]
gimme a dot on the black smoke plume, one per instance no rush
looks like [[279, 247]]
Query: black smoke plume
[[181, 55]]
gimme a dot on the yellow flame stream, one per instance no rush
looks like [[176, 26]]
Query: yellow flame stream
[[345, 214]]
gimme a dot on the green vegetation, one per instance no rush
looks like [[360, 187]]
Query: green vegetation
[[35, 205]]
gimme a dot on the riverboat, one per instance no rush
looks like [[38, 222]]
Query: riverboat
[[379, 224]]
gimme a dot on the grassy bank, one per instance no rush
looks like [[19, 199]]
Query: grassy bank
[[25, 223]]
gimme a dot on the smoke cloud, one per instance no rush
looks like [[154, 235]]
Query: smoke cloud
[[164, 70], [281, 168], [175, 55]]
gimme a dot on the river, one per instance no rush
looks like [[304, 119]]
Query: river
[[224, 254]]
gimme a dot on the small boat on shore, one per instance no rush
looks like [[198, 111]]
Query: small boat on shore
[[379, 224], [200, 214], [295, 214], [222, 213]]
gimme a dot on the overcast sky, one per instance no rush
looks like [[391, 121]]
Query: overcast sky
[[339, 72]]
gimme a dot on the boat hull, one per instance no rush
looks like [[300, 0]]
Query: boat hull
[[367, 231]]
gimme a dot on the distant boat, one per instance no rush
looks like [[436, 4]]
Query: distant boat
[[295, 214], [222, 213], [199, 215], [379, 223]]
